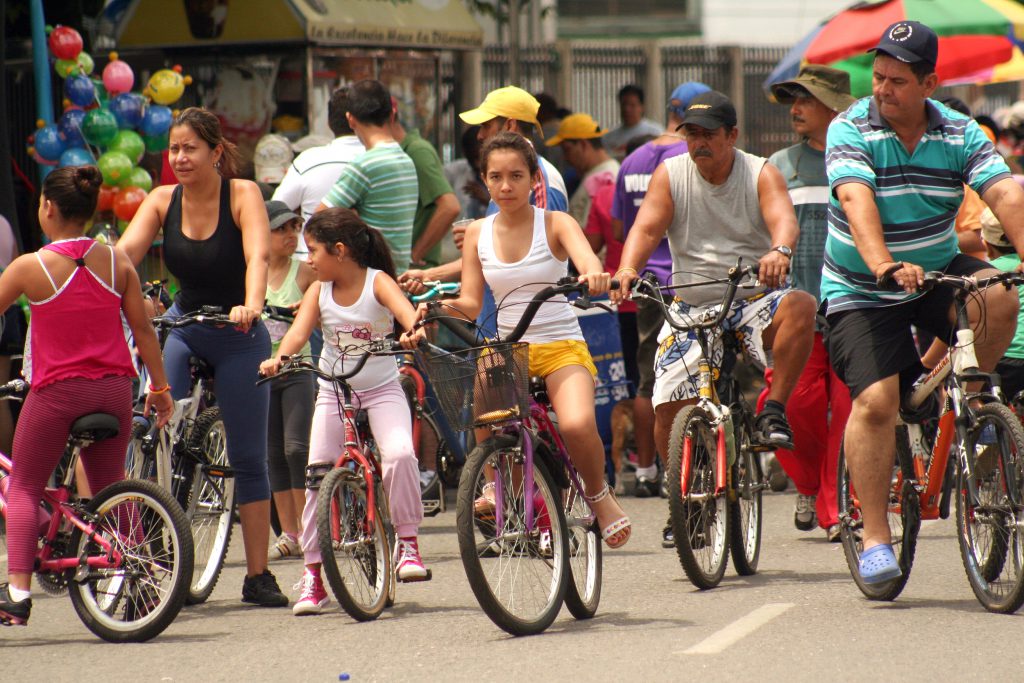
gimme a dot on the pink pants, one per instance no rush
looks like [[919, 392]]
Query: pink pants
[[817, 411], [39, 441], [391, 424]]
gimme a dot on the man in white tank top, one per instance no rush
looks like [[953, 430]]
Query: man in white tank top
[[716, 203]]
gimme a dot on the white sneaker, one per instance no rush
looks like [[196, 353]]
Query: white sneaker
[[285, 546], [804, 516]]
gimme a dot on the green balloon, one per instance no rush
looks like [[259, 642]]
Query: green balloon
[[85, 62], [66, 67], [116, 168], [129, 142], [99, 127], [101, 91], [155, 143], [139, 177]]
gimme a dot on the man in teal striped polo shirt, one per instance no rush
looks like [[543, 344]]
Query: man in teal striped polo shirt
[[896, 163], [380, 183]]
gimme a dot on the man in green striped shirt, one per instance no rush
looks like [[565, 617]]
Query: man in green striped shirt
[[381, 183]]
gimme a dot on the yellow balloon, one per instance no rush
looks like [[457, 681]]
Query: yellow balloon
[[166, 86]]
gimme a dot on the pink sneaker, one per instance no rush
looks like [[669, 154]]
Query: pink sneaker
[[410, 566], [313, 597]]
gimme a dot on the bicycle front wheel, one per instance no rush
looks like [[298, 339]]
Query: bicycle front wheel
[[136, 600], [745, 504], [700, 518], [210, 503], [354, 551], [989, 509], [904, 514], [516, 563]]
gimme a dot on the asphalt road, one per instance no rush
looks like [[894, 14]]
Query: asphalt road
[[800, 619]]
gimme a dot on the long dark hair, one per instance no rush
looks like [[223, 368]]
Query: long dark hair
[[74, 190], [207, 126], [366, 245]]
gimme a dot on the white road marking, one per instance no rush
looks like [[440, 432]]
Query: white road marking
[[737, 630]]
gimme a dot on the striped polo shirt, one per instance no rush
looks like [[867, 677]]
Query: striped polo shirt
[[918, 195], [381, 185]]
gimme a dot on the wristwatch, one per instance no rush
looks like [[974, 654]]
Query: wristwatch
[[784, 250]]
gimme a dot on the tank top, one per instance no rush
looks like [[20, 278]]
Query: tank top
[[713, 224], [359, 323], [554, 321], [211, 271], [77, 331], [286, 295]]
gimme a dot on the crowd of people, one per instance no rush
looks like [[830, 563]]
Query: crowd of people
[[878, 188]]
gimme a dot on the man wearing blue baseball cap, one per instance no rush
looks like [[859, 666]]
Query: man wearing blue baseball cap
[[896, 164]]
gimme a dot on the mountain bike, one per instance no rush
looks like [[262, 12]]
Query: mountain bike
[[124, 556], [962, 445], [714, 469], [538, 544]]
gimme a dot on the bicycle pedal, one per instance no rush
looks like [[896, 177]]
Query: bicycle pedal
[[219, 471], [431, 508], [416, 579]]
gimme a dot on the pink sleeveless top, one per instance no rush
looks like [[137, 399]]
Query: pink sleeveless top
[[77, 332]]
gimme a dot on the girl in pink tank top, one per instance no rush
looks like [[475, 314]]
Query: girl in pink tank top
[[80, 362]]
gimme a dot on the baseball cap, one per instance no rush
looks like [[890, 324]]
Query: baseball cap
[[576, 127], [710, 110], [829, 86], [509, 102], [910, 42], [272, 157], [279, 213], [681, 96]]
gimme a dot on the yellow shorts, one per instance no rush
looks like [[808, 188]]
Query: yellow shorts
[[546, 358]]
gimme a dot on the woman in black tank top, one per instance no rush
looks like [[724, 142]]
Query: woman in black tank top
[[217, 243]]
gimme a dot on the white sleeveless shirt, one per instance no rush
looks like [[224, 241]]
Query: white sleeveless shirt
[[555, 321], [363, 321]]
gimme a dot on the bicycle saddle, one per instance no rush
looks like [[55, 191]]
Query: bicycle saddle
[[539, 390], [203, 368], [95, 427]]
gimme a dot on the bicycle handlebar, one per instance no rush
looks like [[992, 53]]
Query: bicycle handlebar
[[16, 389], [734, 277], [968, 283], [279, 313], [207, 315], [436, 289], [294, 364]]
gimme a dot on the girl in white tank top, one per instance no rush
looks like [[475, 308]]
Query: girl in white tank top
[[355, 300], [519, 251]]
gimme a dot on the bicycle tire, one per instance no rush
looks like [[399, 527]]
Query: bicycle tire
[[137, 601], [583, 592], [904, 520], [137, 463], [496, 559], [988, 527], [700, 520], [745, 503], [356, 560], [431, 438], [214, 496]]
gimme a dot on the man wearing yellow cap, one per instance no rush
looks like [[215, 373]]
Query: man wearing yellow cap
[[579, 138]]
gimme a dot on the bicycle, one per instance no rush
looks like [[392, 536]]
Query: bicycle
[[188, 457], [714, 469], [353, 521], [539, 547], [124, 556], [954, 450]]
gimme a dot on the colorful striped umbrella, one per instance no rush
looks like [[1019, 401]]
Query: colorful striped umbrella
[[974, 35]]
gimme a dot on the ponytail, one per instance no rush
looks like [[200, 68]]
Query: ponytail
[[378, 253]]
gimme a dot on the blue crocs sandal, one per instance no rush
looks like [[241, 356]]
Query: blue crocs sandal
[[878, 565]]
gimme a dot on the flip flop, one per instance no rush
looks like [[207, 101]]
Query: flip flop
[[878, 564]]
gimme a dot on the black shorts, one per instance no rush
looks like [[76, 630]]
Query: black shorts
[[867, 345]]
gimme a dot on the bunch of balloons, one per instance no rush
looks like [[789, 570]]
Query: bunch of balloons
[[105, 123]]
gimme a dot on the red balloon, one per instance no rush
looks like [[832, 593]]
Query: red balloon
[[65, 42], [106, 198], [127, 202]]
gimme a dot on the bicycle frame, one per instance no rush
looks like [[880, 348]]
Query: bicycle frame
[[356, 452], [541, 421]]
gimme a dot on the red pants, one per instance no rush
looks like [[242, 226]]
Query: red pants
[[817, 411]]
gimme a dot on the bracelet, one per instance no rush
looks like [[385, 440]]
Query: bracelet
[[162, 390], [623, 270]]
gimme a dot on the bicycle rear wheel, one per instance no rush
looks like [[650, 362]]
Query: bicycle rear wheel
[[355, 554], [745, 503], [990, 510], [209, 503], [700, 519], [583, 593], [904, 520], [518, 572], [137, 600]]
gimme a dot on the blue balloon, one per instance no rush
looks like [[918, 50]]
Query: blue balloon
[[80, 90], [70, 126], [49, 143], [156, 120], [76, 156], [127, 109]]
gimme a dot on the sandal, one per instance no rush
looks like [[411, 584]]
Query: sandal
[[772, 429], [483, 507], [622, 524], [878, 564]]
